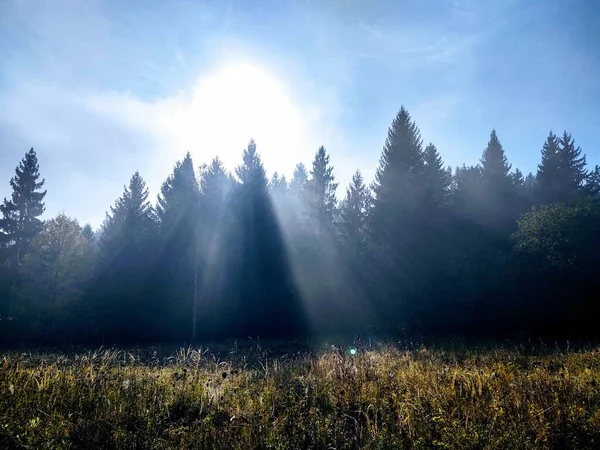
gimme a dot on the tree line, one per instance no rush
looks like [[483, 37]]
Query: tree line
[[422, 249]]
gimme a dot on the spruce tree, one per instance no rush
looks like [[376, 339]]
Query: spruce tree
[[278, 186], [571, 168], [398, 215], [178, 210], [123, 298], [322, 202], [548, 176], [217, 251], [495, 169], [436, 178], [20, 222], [298, 182], [132, 219], [88, 234], [354, 213], [593, 183], [499, 194], [396, 185], [269, 301]]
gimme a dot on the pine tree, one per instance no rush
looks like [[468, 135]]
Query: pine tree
[[216, 185], [179, 194], [178, 210], [571, 168], [500, 204], [437, 180], [122, 297], [88, 234], [269, 302], [354, 214], [398, 215], [495, 169], [296, 206], [398, 187], [593, 183], [548, 176], [400, 166], [217, 252], [132, 219], [20, 222], [278, 186], [322, 202], [530, 188], [299, 181]]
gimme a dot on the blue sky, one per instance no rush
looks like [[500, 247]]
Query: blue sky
[[104, 88]]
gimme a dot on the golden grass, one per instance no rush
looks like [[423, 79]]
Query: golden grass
[[383, 398]]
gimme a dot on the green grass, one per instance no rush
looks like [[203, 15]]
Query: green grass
[[380, 398]]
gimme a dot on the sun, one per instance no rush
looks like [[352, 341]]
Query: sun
[[232, 104]]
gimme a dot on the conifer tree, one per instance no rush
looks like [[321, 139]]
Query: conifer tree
[[499, 194], [495, 169], [269, 302], [217, 255], [122, 297], [354, 214], [278, 186], [298, 182], [401, 164], [88, 234], [322, 202], [571, 168], [548, 177], [132, 219], [436, 178], [178, 210], [20, 222], [398, 214]]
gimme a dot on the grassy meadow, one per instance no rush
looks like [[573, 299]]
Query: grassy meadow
[[288, 396]]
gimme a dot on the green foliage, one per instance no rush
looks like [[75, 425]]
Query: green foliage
[[560, 236], [53, 277], [20, 222], [436, 178], [321, 198], [354, 213], [221, 255]]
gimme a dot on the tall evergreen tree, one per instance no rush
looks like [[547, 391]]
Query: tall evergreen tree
[[20, 222], [354, 213], [278, 186], [217, 252], [178, 210], [298, 182], [88, 234], [132, 220], [269, 301], [400, 166], [571, 168], [499, 193], [398, 214], [123, 300], [437, 180], [495, 169], [548, 176], [322, 202], [593, 183]]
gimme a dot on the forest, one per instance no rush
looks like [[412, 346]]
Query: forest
[[478, 250]]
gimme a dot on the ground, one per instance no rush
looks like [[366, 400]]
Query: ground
[[294, 396]]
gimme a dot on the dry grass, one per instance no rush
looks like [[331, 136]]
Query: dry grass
[[326, 399]]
